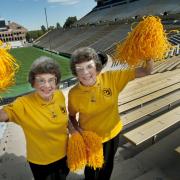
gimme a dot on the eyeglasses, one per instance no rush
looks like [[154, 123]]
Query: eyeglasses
[[42, 82], [88, 67]]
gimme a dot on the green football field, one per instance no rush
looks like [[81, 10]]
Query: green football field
[[25, 57]]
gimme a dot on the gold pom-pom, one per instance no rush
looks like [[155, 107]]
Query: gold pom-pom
[[147, 41], [76, 152], [95, 158], [8, 68]]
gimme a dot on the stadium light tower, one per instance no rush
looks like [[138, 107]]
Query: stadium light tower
[[47, 29], [46, 18]]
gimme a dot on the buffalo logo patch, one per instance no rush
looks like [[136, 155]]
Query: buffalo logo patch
[[63, 110], [107, 92]]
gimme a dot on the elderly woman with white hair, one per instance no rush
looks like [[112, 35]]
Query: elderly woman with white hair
[[43, 117]]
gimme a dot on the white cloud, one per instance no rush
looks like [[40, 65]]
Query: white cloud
[[64, 2]]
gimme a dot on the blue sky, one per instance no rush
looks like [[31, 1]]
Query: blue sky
[[30, 13]]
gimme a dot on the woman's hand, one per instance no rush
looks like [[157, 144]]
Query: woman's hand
[[80, 130], [143, 71], [3, 116], [74, 128]]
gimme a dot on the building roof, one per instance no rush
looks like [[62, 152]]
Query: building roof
[[16, 26]]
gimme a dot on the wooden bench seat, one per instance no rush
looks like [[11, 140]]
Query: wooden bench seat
[[161, 66], [142, 100], [152, 128], [140, 83], [158, 63], [173, 65], [150, 108], [178, 149], [142, 90], [169, 66], [147, 91]]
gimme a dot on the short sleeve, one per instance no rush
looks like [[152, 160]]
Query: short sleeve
[[121, 78], [15, 111]]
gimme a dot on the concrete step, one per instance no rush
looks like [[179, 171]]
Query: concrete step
[[159, 155], [75, 176], [154, 174], [173, 169]]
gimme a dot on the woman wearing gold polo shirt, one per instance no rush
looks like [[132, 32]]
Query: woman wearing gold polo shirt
[[43, 118], [95, 99]]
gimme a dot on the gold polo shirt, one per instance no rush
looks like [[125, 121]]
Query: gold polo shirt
[[98, 105], [44, 125]]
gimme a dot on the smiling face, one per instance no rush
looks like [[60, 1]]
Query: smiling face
[[86, 73], [45, 85]]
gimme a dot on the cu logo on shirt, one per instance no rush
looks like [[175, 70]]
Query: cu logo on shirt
[[107, 92], [63, 110]]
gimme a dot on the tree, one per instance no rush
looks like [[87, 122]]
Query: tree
[[28, 36], [33, 35], [69, 22], [58, 26], [43, 28], [50, 27]]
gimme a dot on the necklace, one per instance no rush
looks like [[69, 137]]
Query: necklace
[[53, 114], [94, 92], [93, 95]]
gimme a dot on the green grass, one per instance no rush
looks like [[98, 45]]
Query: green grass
[[25, 57]]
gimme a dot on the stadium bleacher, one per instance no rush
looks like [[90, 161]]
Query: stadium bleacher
[[151, 95], [102, 33], [131, 9], [149, 106], [100, 37]]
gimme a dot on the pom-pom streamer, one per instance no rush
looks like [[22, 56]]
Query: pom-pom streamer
[[8, 68], [147, 41], [84, 149], [94, 148], [76, 152]]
